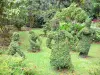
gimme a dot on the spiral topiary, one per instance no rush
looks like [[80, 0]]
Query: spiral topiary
[[14, 46], [35, 42]]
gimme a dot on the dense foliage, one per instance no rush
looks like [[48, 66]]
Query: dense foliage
[[14, 66], [14, 46], [60, 57], [86, 36], [35, 42], [73, 12]]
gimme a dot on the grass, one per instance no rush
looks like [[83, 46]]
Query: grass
[[40, 61]]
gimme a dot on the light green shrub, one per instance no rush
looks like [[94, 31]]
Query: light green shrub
[[14, 66], [14, 46], [95, 71]]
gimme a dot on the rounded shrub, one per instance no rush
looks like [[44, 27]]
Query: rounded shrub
[[14, 66]]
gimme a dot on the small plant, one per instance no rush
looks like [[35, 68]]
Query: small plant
[[46, 27]]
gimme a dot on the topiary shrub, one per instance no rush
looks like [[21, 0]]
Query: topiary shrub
[[86, 36], [35, 42], [60, 57], [46, 27], [38, 21], [14, 46], [73, 29]]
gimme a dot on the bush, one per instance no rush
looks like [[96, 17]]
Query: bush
[[95, 71], [97, 38], [35, 42], [14, 66], [60, 56], [18, 23], [38, 21], [46, 27], [73, 12], [14, 46]]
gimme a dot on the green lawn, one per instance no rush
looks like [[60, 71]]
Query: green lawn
[[40, 61]]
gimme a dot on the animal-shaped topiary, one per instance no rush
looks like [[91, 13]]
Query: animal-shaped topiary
[[86, 36], [35, 42], [73, 42], [46, 28], [58, 42], [14, 46]]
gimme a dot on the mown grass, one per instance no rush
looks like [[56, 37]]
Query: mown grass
[[41, 63]]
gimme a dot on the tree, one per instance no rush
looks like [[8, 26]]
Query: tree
[[4, 30], [73, 12]]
